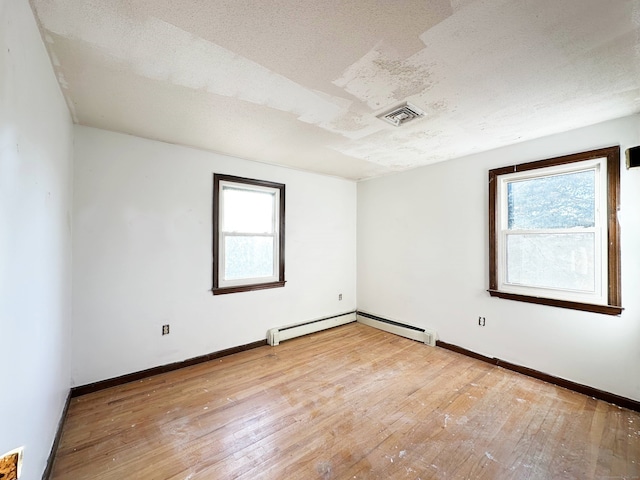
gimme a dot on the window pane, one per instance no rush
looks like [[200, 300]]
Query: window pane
[[552, 260], [248, 257], [248, 211], [559, 201]]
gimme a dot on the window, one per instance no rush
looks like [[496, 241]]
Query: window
[[554, 234], [248, 234]]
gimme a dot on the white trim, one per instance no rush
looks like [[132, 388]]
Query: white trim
[[274, 234], [600, 294]]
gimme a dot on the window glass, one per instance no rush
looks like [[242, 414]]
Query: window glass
[[248, 211], [558, 261], [248, 257], [556, 201]]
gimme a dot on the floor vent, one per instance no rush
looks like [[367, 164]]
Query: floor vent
[[409, 331], [277, 335]]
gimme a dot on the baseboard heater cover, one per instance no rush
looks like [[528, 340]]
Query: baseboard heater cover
[[422, 335], [280, 334]]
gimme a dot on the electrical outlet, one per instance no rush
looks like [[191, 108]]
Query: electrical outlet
[[165, 329], [482, 321], [340, 297], [11, 464]]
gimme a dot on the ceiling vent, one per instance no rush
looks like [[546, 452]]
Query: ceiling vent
[[402, 114]]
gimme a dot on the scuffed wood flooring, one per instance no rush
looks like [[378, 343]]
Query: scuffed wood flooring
[[348, 403]]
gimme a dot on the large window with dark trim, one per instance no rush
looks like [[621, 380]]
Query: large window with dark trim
[[248, 234], [554, 234]]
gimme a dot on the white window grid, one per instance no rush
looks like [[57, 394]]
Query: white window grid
[[274, 234], [599, 294]]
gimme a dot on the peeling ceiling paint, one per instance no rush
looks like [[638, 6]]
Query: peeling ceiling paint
[[301, 85]]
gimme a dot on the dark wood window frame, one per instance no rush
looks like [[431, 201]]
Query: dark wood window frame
[[614, 304], [217, 289]]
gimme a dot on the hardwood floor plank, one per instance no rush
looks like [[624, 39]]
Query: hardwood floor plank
[[350, 402]]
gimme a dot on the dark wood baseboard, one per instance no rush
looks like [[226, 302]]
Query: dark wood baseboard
[[135, 376], [56, 441], [561, 382]]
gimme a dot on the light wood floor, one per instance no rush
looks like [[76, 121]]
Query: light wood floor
[[351, 402]]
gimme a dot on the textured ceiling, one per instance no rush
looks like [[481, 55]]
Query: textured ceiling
[[300, 83]]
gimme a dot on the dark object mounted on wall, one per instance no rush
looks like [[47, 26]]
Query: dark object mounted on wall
[[633, 157]]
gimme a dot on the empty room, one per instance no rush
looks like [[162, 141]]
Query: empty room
[[320, 240]]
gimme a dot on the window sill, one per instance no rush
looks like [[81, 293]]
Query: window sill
[[585, 307], [246, 288]]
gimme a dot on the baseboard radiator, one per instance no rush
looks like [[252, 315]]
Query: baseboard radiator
[[409, 331], [277, 335]]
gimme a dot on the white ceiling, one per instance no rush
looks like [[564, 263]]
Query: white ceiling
[[300, 83]]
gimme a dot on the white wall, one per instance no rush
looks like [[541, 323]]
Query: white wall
[[142, 255], [35, 241], [423, 260]]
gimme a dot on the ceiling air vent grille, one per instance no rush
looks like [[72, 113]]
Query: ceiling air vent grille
[[402, 114]]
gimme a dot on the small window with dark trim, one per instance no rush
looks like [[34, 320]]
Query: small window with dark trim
[[248, 234], [554, 234]]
